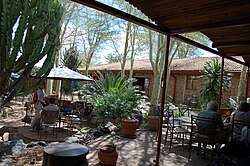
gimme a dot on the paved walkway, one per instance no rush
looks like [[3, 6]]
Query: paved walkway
[[142, 151]]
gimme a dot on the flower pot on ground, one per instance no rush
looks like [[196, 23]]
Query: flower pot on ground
[[129, 128], [153, 123], [108, 155], [153, 117], [226, 112]]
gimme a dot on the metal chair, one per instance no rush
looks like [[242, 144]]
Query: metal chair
[[183, 109], [202, 132], [49, 118], [173, 127], [236, 152]]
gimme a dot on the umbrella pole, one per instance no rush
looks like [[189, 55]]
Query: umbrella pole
[[61, 93]]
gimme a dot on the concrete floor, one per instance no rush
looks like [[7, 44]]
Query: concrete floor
[[142, 151]]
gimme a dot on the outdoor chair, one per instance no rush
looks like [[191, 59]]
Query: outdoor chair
[[173, 128], [198, 135], [236, 152], [49, 118], [183, 109]]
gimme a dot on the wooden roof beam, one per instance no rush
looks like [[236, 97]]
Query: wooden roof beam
[[115, 12], [204, 27], [120, 14], [231, 44], [247, 54]]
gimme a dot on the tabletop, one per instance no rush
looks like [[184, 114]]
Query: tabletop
[[66, 149]]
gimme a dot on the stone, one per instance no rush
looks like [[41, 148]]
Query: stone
[[42, 143], [12, 147], [71, 139], [97, 133], [19, 147]]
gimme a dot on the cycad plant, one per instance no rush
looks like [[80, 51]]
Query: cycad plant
[[112, 96], [211, 82]]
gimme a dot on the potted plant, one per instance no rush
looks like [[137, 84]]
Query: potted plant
[[114, 99], [153, 117], [107, 154], [227, 108]]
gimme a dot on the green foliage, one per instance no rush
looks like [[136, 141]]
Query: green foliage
[[211, 79], [29, 31], [105, 83], [72, 61], [154, 110], [113, 138], [145, 123], [112, 96]]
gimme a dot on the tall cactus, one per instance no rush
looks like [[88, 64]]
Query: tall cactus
[[29, 31]]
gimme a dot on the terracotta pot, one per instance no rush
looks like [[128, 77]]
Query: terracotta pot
[[153, 123], [129, 128], [226, 112], [107, 155]]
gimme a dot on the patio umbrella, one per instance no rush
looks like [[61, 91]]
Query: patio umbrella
[[64, 73]]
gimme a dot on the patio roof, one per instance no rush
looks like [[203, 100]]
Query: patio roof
[[226, 23]]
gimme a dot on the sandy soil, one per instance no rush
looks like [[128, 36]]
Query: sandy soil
[[10, 124]]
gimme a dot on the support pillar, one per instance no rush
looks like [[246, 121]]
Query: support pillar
[[221, 80], [159, 134], [247, 84]]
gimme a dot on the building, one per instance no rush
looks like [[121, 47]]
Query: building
[[184, 84]]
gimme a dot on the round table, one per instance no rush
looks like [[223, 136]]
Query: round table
[[66, 154]]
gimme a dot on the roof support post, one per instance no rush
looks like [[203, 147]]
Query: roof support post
[[247, 84], [221, 80], [159, 134]]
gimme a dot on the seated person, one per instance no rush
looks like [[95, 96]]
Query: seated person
[[242, 114], [221, 132], [51, 107]]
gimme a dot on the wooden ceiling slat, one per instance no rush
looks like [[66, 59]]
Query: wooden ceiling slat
[[224, 22], [231, 44], [208, 26], [158, 9]]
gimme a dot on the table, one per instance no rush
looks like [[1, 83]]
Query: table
[[66, 154], [184, 119]]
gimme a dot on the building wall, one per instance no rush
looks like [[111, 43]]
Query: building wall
[[180, 88]]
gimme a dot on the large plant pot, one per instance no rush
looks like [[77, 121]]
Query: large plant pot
[[129, 128], [107, 155], [226, 112], [153, 123]]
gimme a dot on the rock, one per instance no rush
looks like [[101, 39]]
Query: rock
[[97, 133], [37, 143], [95, 120], [12, 147], [110, 126], [6, 136], [71, 139], [107, 127], [42, 143], [19, 147], [31, 144]]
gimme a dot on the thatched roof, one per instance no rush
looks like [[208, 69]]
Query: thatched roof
[[181, 64]]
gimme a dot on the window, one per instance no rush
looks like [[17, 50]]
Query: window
[[191, 82]]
